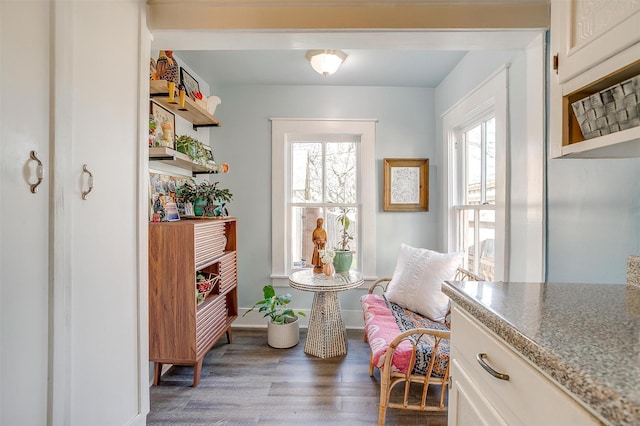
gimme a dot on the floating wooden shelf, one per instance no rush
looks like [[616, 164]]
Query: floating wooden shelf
[[192, 112], [174, 158]]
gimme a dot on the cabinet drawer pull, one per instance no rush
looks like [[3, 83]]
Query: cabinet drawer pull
[[89, 182], [39, 171], [481, 360]]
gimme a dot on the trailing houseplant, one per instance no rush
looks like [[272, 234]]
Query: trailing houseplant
[[283, 329], [205, 197], [343, 255], [194, 149]]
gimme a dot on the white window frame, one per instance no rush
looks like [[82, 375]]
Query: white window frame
[[284, 131], [492, 95]]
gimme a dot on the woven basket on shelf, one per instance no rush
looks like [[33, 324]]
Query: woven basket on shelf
[[610, 110], [211, 284]]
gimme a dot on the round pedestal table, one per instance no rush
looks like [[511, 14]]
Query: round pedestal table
[[326, 337]]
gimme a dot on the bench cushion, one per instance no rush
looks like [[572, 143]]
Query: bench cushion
[[384, 320]]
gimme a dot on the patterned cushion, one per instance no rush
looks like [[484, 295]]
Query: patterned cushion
[[384, 320]]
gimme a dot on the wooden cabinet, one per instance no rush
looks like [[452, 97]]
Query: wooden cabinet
[[594, 45], [181, 331], [479, 398]]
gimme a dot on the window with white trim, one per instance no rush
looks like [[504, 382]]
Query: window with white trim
[[475, 189], [321, 168], [476, 181]]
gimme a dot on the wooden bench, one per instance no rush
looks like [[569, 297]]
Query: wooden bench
[[415, 352]]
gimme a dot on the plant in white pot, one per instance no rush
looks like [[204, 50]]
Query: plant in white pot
[[343, 254], [283, 326]]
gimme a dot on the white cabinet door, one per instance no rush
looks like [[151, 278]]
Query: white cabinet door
[[73, 329], [98, 91], [24, 218], [467, 405], [591, 31]]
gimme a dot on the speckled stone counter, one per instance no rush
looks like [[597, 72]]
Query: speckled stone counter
[[584, 336]]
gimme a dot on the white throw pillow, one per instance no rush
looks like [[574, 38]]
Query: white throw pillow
[[417, 280]]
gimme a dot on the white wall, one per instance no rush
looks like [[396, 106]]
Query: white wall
[[593, 217], [405, 128]]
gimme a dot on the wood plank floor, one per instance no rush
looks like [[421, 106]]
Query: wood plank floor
[[250, 383]]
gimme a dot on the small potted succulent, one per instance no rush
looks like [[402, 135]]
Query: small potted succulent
[[283, 328]]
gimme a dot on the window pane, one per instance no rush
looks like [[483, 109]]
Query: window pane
[[334, 230], [478, 229], [473, 139], [490, 127], [306, 172], [341, 172], [487, 241], [466, 234], [303, 222]]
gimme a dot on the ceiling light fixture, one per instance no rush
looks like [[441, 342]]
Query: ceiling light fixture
[[326, 62]]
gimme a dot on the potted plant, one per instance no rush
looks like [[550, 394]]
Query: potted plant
[[194, 149], [283, 326], [343, 255], [206, 198]]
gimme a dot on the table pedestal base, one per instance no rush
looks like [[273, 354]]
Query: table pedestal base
[[326, 335]]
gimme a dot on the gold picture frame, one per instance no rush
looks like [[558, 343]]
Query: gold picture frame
[[406, 185]]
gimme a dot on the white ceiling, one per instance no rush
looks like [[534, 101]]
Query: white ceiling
[[376, 58], [410, 68]]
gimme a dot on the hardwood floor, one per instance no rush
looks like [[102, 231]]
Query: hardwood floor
[[250, 383]]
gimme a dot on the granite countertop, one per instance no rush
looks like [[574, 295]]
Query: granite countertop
[[584, 336]]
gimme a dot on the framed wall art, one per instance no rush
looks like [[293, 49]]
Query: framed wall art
[[190, 84], [406, 184], [165, 125]]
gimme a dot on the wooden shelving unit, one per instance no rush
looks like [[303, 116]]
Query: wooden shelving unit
[[192, 112], [172, 157], [181, 332]]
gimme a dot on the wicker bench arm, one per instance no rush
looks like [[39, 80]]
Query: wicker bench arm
[[388, 357], [380, 283]]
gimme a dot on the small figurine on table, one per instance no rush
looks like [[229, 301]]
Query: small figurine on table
[[319, 238]]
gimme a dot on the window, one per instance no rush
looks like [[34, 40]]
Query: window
[[476, 180], [320, 168], [324, 183], [475, 155]]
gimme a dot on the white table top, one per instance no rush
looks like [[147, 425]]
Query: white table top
[[307, 280]]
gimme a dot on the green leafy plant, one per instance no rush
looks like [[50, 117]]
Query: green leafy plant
[[275, 306], [190, 192], [193, 148], [345, 235]]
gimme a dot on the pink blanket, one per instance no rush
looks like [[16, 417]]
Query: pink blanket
[[383, 322]]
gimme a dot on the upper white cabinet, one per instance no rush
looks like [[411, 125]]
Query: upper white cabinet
[[595, 45]]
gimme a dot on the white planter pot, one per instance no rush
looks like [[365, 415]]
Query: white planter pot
[[283, 335]]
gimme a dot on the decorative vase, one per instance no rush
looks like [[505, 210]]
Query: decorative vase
[[198, 207], [283, 335], [342, 261], [328, 269]]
